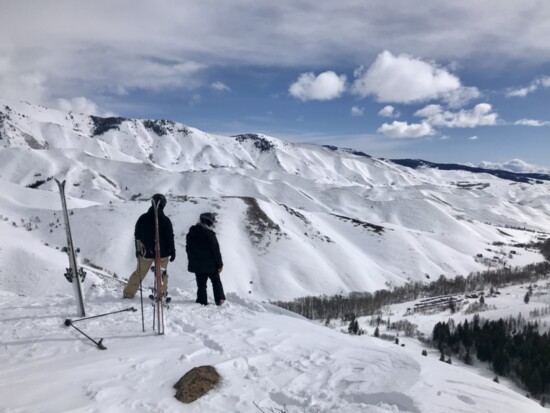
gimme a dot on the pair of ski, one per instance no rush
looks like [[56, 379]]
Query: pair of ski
[[159, 299], [76, 275]]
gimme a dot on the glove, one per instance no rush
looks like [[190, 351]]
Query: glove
[[140, 248], [172, 255]]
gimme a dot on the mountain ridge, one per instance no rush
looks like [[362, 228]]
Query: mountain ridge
[[327, 202]]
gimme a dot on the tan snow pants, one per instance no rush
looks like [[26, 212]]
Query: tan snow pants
[[140, 273]]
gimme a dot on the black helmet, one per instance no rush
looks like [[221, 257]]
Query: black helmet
[[208, 218], [160, 200]]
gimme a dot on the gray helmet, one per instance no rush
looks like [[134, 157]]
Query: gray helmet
[[160, 199], [208, 218]]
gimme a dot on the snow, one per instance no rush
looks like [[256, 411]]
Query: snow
[[286, 229], [263, 354]]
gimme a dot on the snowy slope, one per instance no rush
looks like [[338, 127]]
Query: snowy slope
[[294, 219], [263, 354]]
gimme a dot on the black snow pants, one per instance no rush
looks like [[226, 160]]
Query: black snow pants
[[202, 280]]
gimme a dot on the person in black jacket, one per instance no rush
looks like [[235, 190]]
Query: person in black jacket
[[205, 259], [145, 246]]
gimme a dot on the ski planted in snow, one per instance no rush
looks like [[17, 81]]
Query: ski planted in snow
[[74, 274], [158, 290]]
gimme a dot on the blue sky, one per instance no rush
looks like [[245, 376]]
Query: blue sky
[[444, 81]]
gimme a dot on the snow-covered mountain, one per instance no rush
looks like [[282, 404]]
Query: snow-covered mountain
[[294, 219]]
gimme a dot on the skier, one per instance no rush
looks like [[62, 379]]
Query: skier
[[205, 259], [145, 246]]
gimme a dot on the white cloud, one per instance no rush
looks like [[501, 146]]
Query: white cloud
[[357, 111], [398, 129], [20, 83], [461, 96], [481, 115], [326, 86], [445, 138], [389, 112], [405, 79], [543, 81], [81, 105], [521, 92], [532, 122], [219, 86], [473, 138], [515, 165], [102, 48]]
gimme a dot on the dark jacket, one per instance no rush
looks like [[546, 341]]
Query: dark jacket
[[203, 250], [145, 232]]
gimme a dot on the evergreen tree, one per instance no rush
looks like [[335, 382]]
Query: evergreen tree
[[353, 327], [534, 383], [377, 332], [452, 305], [545, 249], [526, 298], [468, 358]]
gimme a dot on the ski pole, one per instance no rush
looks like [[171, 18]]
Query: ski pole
[[101, 315], [141, 295], [99, 343], [154, 316]]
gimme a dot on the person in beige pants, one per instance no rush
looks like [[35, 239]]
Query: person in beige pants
[[145, 246], [143, 265]]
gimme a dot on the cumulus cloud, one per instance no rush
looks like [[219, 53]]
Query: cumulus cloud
[[220, 87], [105, 48], [515, 165], [539, 82], [473, 138], [389, 112], [405, 79], [81, 105], [398, 129], [357, 111], [20, 83], [532, 122], [481, 115], [104, 43], [326, 86], [461, 96]]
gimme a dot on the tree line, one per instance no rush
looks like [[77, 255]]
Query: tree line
[[358, 304], [513, 348]]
